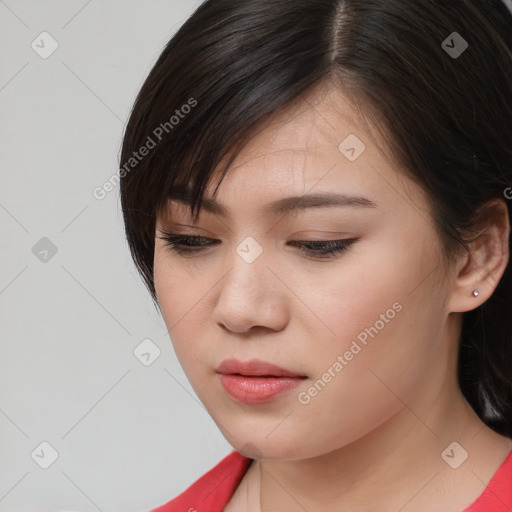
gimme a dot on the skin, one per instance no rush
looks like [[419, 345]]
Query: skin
[[375, 433]]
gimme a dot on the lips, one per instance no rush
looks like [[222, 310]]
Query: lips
[[254, 368], [256, 382]]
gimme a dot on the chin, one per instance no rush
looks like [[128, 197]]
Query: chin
[[267, 450]]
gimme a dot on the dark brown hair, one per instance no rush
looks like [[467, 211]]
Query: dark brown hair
[[434, 75]]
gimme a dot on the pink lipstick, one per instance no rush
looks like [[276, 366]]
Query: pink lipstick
[[255, 381]]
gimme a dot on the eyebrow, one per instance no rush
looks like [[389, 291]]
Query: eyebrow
[[284, 205]]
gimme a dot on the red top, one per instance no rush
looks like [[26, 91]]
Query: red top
[[214, 489]]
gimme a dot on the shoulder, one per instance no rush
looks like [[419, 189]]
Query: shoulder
[[497, 496], [212, 491]]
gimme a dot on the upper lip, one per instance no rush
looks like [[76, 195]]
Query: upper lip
[[254, 367]]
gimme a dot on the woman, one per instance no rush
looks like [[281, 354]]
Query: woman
[[341, 304]]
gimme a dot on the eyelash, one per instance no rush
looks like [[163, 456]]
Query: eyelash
[[334, 247]]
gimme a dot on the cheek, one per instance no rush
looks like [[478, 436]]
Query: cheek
[[167, 284], [366, 290], [355, 300], [179, 290], [179, 296], [373, 318]]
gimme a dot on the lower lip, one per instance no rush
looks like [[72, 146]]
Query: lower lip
[[257, 390]]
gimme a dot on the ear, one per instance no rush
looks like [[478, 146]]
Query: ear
[[482, 268]]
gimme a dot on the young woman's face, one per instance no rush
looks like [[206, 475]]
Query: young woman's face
[[365, 328]]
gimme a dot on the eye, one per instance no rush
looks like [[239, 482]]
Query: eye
[[324, 248], [188, 244], [185, 244]]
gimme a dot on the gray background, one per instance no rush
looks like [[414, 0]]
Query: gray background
[[129, 437]]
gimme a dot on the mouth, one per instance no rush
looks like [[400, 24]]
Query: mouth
[[255, 368], [255, 381]]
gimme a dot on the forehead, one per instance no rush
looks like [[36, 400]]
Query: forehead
[[320, 146]]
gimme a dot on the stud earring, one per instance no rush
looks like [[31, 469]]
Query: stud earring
[[475, 293]]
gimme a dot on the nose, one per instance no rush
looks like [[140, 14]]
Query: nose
[[250, 297]]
